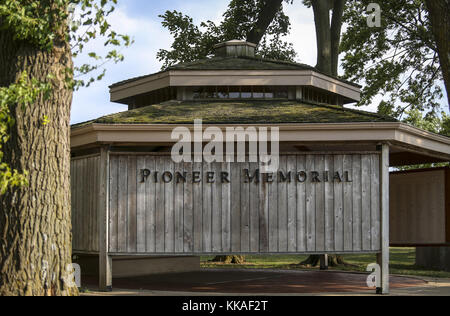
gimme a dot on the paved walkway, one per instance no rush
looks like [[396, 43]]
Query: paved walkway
[[263, 282]]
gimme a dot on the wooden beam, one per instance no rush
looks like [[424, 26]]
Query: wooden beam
[[383, 257], [105, 260]]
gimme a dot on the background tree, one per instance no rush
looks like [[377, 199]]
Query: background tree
[[262, 22], [37, 78], [439, 16], [328, 32], [399, 60]]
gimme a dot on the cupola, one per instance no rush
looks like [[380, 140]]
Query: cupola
[[235, 73], [235, 48]]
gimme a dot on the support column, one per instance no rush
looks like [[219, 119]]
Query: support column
[[383, 257], [105, 261]]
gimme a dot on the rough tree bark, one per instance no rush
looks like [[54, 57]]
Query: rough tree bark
[[35, 220], [328, 35], [265, 18], [439, 14]]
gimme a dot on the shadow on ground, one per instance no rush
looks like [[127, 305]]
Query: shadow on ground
[[254, 282]]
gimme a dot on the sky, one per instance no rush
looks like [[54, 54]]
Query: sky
[[140, 20]]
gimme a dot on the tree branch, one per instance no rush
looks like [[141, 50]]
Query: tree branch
[[265, 18]]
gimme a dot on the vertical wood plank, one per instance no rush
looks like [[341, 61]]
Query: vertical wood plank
[[169, 191], [320, 204], [150, 206], [141, 202], [188, 210], [90, 238], [82, 207], [273, 214], [96, 193], [301, 206], [292, 204], [226, 210], [74, 198], [179, 209], [198, 209], [338, 204], [105, 261], [160, 207], [245, 211], [73, 186], [216, 212], [348, 203], [123, 204], [310, 208], [264, 214], [357, 203], [85, 209], [282, 209], [366, 203], [236, 208], [254, 211], [132, 210], [329, 204], [113, 202], [207, 204]]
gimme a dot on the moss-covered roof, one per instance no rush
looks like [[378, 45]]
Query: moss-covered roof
[[249, 112], [236, 63]]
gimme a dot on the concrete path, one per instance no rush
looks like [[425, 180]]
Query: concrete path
[[220, 282]]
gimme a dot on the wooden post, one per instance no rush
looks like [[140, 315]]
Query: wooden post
[[383, 257], [105, 261]]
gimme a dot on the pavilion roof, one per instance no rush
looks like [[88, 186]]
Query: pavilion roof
[[240, 112]]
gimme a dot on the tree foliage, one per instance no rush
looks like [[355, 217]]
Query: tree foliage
[[193, 42], [398, 60], [45, 25]]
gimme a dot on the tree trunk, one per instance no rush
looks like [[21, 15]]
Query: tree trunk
[[322, 20], [333, 261], [35, 220], [229, 259], [336, 29], [264, 20], [439, 14], [328, 36]]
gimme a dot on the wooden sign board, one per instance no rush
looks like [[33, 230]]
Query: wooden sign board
[[316, 203], [420, 207]]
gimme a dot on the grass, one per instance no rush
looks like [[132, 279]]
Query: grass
[[402, 263]]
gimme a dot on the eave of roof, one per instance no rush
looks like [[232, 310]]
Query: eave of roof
[[235, 63]]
